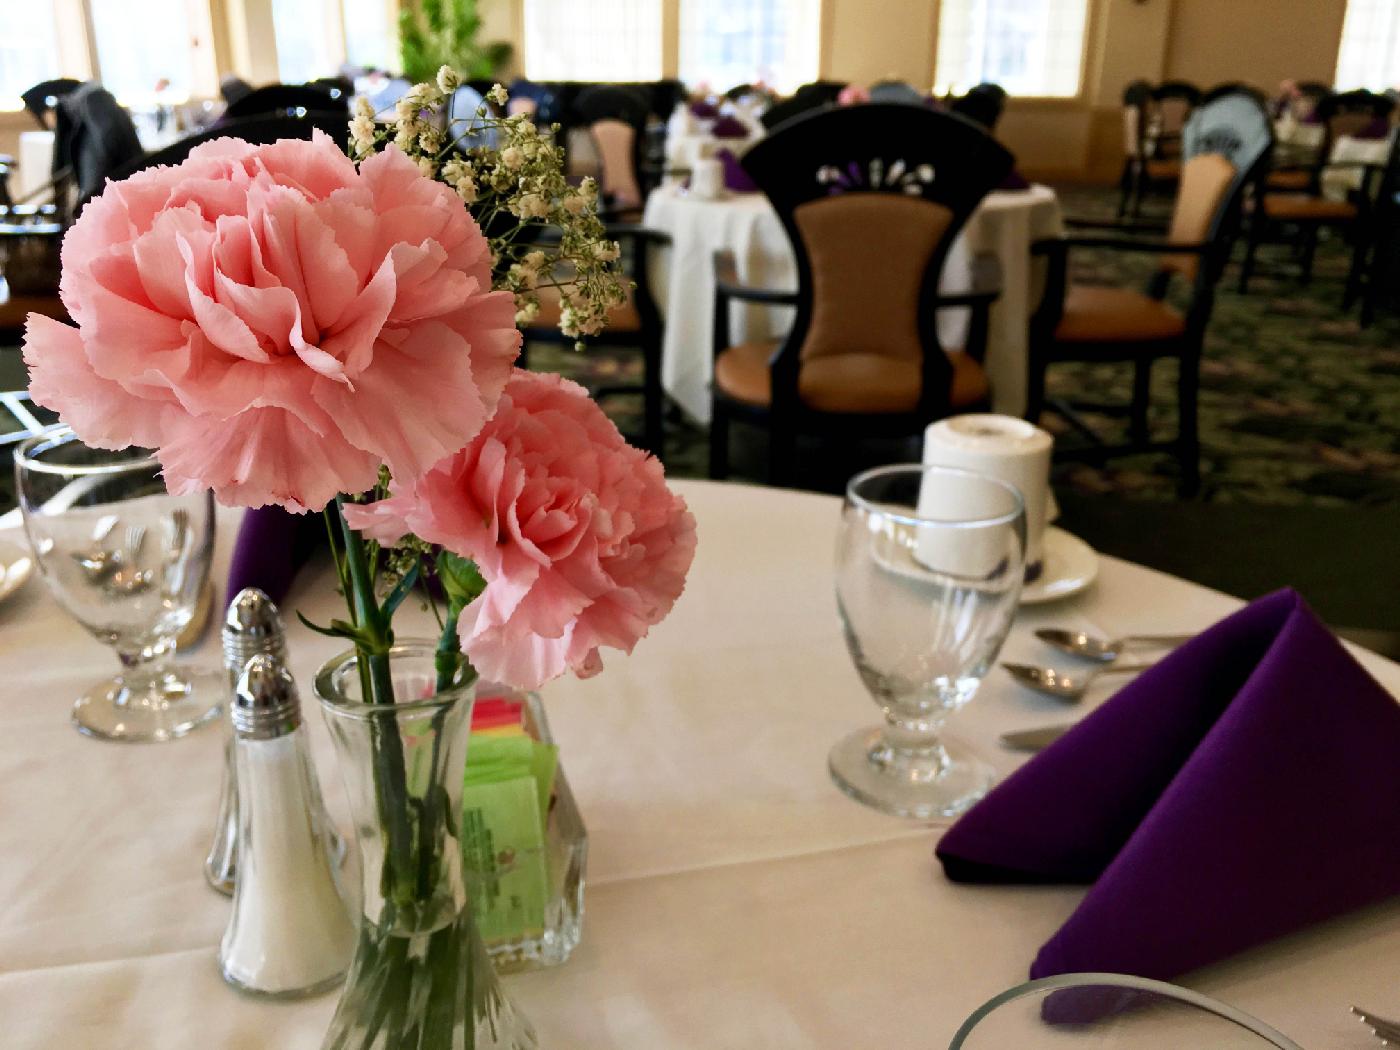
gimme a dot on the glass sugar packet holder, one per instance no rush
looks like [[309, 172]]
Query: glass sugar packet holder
[[525, 850]]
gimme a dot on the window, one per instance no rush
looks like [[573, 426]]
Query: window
[[310, 40], [135, 52], [28, 49], [1032, 48], [597, 40], [1370, 52], [371, 37], [729, 42]]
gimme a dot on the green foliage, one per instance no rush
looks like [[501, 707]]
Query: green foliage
[[437, 33]]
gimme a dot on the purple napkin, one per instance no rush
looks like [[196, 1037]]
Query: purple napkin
[[702, 110], [1014, 181], [735, 177], [271, 546], [729, 128], [1241, 789]]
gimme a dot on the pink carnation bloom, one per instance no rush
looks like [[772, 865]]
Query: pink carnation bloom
[[580, 541], [276, 323]]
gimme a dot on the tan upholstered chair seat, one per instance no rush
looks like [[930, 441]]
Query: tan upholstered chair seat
[[845, 382], [1164, 169], [621, 318], [1302, 207], [1290, 180], [1113, 315]]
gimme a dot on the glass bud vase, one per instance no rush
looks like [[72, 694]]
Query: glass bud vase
[[420, 978]]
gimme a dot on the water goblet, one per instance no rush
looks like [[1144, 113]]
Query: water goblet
[[929, 565], [128, 561]]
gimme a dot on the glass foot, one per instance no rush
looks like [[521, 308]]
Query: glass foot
[[941, 782], [166, 708]]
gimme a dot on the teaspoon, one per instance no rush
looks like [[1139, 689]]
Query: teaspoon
[[1105, 650], [1067, 687]]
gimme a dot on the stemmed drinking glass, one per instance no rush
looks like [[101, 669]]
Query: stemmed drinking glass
[[929, 564], [128, 561]]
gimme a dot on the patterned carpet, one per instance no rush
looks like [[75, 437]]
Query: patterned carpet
[[1299, 404]]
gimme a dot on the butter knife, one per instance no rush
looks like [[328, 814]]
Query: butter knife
[[1034, 739]]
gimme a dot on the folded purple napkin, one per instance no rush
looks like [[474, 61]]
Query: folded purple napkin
[[702, 110], [271, 547], [1014, 181], [1241, 789], [729, 128], [735, 177]]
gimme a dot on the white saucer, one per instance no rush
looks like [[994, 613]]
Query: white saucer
[[16, 563], [1070, 566]]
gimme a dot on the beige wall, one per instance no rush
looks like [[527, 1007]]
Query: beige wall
[[1258, 41], [868, 40]]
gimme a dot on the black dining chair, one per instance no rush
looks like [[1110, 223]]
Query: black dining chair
[[1162, 115], [1225, 148], [871, 197], [286, 99]]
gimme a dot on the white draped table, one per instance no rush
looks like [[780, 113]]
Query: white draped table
[[735, 899], [745, 224]]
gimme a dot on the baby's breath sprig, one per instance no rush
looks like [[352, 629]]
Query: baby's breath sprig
[[544, 232]]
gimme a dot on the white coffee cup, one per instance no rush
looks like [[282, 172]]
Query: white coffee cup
[[1006, 448], [707, 178]]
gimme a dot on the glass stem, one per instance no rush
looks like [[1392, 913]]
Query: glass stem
[[142, 668], [914, 741]]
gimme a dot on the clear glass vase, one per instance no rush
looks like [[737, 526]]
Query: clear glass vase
[[421, 978]]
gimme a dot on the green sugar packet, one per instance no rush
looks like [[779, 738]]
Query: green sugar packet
[[505, 803]]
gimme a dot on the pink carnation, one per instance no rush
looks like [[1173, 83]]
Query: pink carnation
[[276, 323], [580, 541]]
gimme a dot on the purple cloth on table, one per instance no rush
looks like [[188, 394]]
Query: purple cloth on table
[[735, 177], [703, 110], [729, 128], [1239, 790], [272, 545]]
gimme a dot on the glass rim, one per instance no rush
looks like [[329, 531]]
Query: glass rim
[[26, 450], [913, 517], [1091, 979], [334, 699]]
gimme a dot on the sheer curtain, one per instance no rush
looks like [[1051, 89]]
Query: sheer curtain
[[28, 48], [137, 49], [596, 40], [309, 39], [730, 42], [1370, 52], [1032, 48]]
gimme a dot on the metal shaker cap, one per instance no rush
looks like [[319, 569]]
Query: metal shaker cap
[[251, 626], [265, 703]]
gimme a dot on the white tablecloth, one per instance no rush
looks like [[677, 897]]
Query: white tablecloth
[[736, 900], [1339, 181], [746, 225]]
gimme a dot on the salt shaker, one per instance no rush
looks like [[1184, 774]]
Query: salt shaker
[[251, 626], [290, 932]]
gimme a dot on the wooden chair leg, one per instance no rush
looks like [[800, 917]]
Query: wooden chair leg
[[1309, 254], [1188, 438], [1142, 401], [719, 443], [654, 402], [1035, 388], [1251, 248], [1360, 251]]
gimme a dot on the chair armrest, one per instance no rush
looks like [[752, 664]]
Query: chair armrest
[[1109, 224], [1121, 244], [728, 285]]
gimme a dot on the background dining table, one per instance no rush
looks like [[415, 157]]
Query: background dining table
[[735, 898], [745, 224]]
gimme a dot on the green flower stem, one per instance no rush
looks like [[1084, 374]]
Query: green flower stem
[[377, 685]]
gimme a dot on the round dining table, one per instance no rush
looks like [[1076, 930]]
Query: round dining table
[[745, 224], [736, 899]]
